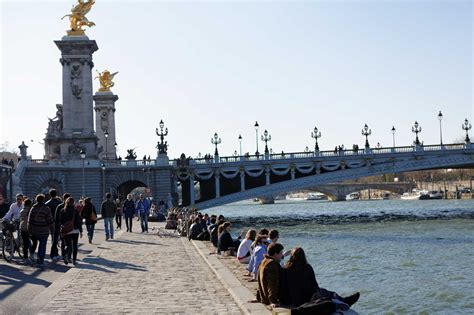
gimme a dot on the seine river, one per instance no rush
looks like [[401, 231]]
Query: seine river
[[405, 257]]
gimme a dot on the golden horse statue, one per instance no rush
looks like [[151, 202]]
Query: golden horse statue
[[105, 79], [78, 17]]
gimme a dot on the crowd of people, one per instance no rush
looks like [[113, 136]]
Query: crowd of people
[[290, 284]]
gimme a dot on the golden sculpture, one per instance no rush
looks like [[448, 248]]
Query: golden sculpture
[[105, 79], [78, 17]]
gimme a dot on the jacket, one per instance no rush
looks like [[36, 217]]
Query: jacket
[[143, 207], [69, 213], [53, 204], [24, 219], [268, 278], [87, 211], [108, 209], [298, 285], [128, 208], [224, 242], [40, 220]]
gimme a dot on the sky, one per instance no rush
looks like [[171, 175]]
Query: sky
[[219, 66]]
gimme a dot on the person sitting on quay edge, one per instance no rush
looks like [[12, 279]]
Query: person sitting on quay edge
[[245, 248], [299, 284], [196, 229], [70, 213], [258, 254], [108, 210], [40, 224], [269, 273], [225, 241]]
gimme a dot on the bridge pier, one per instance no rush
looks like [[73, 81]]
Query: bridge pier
[[242, 180], [218, 185], [192, 192]]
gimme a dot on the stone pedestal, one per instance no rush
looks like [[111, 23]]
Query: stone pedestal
[[74, 129], [162, 160], [105, 121]]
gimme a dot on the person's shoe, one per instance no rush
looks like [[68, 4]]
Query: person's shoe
[[74, 262], [56, 258], [351, 299], [106, 237], [66, 261], [90, 241], [111, 237]]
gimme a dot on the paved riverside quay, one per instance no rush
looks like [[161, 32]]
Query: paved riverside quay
[[137, 273]]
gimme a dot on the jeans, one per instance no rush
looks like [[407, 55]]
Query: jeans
[[71, 245], [26, 243], [128, 222], [144, 222], [42, 239], [118, 220], [90, 231], [54, 245], [109, 227]]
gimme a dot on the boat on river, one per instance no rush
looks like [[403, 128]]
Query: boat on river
[[316, 196], [353, 196], [416, 194]]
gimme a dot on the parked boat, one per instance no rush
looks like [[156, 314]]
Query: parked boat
[[316, 196], [416, 194], [353, 196], [436, 194]]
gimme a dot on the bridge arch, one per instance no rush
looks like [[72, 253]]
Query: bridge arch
[[126, 187], [47, 180]]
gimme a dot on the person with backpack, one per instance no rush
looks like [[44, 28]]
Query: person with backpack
[[40, 225], [71, 228]]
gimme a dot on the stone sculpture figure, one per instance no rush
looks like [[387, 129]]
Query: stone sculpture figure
[[56, 124], [131, 154], [105, 80], [78, 17], [76, 80]]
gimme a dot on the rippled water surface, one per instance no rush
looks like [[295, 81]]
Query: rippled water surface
[[405, 257]]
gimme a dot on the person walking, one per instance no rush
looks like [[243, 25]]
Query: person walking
[[143, 210], [24, 212], [128, 212], [71, 229], [90, 215], [40, 224], [57, 225], [118, 215], [53, 204], [108, 210]]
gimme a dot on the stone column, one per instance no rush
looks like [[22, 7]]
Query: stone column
[[293, 172], [267, 176], [242, 180], [218, 183], [77, 121], [192, 196], [105, 121]]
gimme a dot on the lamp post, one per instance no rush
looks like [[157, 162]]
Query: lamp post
[[440, 117], [83, 157], [315, 135], [256, 137], [240, 144], [416, 129], [106, 135], [393, 135], [103, 179], [162, 146], [466, 127], [215, 141], [266, 137], [366, 132]]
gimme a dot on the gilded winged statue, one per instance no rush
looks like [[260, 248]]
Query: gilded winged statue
[[105, 79], [78, 17]]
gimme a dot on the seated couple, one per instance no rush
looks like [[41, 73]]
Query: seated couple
[[295, 285], [225, 243]]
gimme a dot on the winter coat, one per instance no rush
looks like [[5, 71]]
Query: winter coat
[[40, 220], [108, 209], [68, 214], [298, 285], [268, 278], [143, 207], [128, 208], [24, 219], [87, 211]]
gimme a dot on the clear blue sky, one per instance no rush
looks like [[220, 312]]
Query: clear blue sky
[[219, 66]]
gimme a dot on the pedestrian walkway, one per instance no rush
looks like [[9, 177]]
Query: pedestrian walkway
[[138, 273]]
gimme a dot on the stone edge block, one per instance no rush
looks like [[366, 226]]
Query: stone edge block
[[241, 294]]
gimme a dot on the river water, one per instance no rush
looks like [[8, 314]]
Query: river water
[[405, 257]]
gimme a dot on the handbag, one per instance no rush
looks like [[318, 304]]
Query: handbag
[[68, 226], [93, 216]]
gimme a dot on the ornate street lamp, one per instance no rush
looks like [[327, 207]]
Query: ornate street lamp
[[240, 144], [106, 135], [315, 135], [416, 129], [83, 157], [215, 141], [466, 127], [393, 135], [366, 132], [256, 137], [266, 137], [162, 146], [440, 117]]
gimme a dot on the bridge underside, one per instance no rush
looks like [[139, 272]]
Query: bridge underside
[[269, 184]]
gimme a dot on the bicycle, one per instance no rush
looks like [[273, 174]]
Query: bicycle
[[10, 244]]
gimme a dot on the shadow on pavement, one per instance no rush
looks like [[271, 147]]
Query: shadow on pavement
[[99, 261], [16, 278], [136, 242]]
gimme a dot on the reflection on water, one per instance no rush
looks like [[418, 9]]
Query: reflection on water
[[404, 257]]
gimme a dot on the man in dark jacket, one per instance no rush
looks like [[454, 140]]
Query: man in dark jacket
[[268, 276], [196, 229], [40, 224], [108, 209], [57, 224], [53, 204]]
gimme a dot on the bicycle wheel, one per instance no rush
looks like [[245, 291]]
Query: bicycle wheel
[[8, 248]]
